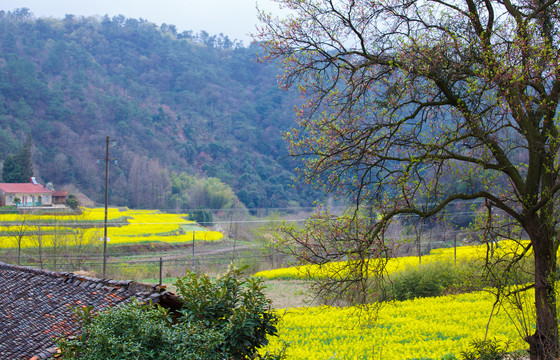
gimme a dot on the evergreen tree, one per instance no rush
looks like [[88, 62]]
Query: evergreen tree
[[23, 158], [18, 168], [11, 171]]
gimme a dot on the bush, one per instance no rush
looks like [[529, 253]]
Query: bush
[[442, 278], [139, 332], [229, 318], [486, 350], [236, 308], [72, 201], [423, 281], [444, 357], [203, 217], [8, 210]]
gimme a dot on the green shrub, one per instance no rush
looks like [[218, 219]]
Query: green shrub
[[486, 350], [423, 281], [138, 332], [229, 318], [449, 357], [442, 278], [9, 209], [444, 357], [203, 217], [234, 307], [72, 201]]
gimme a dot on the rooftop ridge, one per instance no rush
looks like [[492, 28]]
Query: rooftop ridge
[[133, 287]]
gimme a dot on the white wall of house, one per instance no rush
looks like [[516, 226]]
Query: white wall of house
[[28, 199]]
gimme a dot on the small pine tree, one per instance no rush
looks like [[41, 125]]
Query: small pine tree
[[23, 158], [18, 168], [11, 170]]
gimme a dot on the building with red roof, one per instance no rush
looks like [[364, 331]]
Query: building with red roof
[[25, 194], [59, 197]]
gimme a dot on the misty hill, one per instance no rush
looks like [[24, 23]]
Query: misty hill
[[174, 102]]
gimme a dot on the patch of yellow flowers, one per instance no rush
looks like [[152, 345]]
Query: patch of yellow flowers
[[394, 264], [126, 226], [413, 329], [420, 328]]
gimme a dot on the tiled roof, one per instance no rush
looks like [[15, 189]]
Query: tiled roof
[[26, 188], [36, 306]]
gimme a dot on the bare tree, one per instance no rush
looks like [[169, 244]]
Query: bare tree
[[81, 240], [37, 239], [149, 183], [58, 241], [404, 94], [18, 232]]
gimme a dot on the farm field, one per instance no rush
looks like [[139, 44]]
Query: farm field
[[142, 243], [414, 329], [395, 264], [124, 227], [422, 328]]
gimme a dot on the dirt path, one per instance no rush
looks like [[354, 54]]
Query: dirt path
[[186, 253]]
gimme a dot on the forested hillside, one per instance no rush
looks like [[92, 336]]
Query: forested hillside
[[174, 102]]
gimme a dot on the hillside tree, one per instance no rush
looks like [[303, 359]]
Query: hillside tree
[[23, 158], [18, 168], [11, 170], [400, 94], [149, 183]]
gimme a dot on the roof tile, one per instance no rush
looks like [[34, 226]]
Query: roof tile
[[27, 188], [36, 306]]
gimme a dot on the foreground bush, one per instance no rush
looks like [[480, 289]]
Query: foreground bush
[[227, 318]]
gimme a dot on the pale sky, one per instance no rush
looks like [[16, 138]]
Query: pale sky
[[234, 18]]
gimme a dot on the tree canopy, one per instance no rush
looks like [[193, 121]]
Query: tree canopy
[[18, 168], [402, 97]]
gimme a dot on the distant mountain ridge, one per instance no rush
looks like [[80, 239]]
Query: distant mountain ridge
[[174, 102]]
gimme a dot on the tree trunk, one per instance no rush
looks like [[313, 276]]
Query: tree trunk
[[543, 344]]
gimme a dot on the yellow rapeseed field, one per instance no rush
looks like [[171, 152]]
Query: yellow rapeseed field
[[125, 226], [413, 329], [420, 328], [393, 264]]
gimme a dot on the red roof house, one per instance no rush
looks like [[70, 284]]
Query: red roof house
[[28, 194]]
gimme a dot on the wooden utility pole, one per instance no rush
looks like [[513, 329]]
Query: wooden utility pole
[[160, 270], [107, 158], [193, 235]]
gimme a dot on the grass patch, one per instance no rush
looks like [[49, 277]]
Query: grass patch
[[287, 293]]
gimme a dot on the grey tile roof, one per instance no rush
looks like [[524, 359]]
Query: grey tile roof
[[36, 306]]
